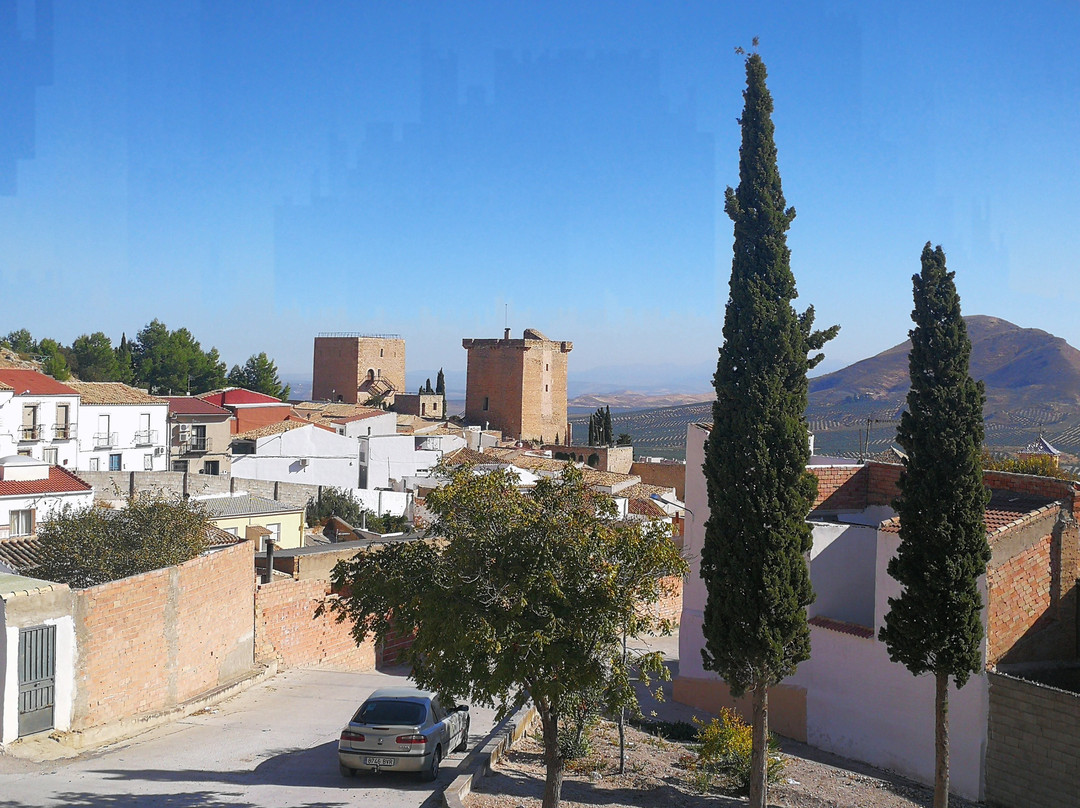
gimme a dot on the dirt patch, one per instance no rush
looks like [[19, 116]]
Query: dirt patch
[[656, 777]]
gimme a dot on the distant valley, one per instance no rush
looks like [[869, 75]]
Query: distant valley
[[1032, 384]]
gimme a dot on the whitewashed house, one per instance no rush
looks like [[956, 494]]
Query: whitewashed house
[[296, 452], [38, 417], [121, 428], [32, 491]]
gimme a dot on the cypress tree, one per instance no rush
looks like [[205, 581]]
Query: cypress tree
[[607, 426], [440, 383], [753, 560], [935, 625]]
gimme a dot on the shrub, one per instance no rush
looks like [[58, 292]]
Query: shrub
[[723, 754]]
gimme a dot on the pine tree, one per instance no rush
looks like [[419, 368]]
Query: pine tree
[[756, 537], [935, 626]]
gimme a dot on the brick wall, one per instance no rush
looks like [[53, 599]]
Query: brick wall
[[390, 653], [840, 488], [334, 371], [1019, 601], [153, 641], [669, 606], [665, 475], [1033, 745], [286, 629]]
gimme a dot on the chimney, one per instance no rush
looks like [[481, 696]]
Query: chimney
[[506, 333]]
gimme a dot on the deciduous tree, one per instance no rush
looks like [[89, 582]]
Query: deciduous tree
[[528, 598], [95, 545], [935, 625], [756, 537]]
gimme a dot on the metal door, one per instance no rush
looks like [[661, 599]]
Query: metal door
[[37, 678]]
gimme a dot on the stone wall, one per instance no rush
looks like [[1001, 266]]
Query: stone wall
[[286, 628], [1033, 747], [666, 474], [152, 641]]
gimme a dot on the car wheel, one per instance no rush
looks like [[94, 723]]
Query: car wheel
[[464, 745], [346, 771], [432, 771]]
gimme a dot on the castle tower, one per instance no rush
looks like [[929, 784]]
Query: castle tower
[[355, 367], [518, 385]]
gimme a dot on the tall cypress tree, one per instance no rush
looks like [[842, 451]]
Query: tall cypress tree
[[607, 426], [753, 561], [935, 625]]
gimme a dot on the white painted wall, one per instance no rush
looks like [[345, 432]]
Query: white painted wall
[[331, 459], [11, 413], [389, 458], [125, 421], [385, 424], [45, 504], [859, 703], [9, 675]]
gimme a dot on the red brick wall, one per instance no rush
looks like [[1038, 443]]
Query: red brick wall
[[1019, 595], [286, 629], [669, 606], [390, 653], [840, 488], [152, 641]]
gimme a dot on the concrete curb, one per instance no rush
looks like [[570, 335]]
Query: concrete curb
[[64, 744], [501, 739]]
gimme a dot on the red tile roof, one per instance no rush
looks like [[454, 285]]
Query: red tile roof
[[38, 384], [1004, 508], [238, 395], [190, 405], [842, 627], [59, 481]]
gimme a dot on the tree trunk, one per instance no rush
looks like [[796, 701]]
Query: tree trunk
[[759, 755], [549, 722], [941, 742]]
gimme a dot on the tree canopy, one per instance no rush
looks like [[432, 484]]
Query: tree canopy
[[527, 598], [95, 545], [173, 362], [260, 374], [756, 537], [95, 358], [935, 625]]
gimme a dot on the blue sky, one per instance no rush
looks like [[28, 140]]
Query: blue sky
[[262, 171]]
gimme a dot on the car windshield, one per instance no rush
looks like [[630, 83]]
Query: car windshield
[[391, 712]]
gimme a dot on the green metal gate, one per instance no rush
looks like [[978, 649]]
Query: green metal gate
[[37, 678]]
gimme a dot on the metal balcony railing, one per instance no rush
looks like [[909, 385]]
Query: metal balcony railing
[[64, 431], [30, 432], [146, 437], [196, 444], [105, 440]]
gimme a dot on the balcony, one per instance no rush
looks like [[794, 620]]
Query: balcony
[[29, 433], [64, 431], [196, 444], [106, 440], [146, 437]]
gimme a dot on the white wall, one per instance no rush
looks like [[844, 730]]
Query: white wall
[[394, 457], [125, 420], [64, 695], [11, 409], [45, 505], [331, 459], [385, 424]]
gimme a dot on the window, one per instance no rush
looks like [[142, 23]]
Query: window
[[180, 466], [25, 453], [212, 467], [50, 456], [380, 352], [545, 388], [115, 462], [22, 522], [29, 423], [148, 462], [485, 403], [275, 532], [95, 464], [232, 531]]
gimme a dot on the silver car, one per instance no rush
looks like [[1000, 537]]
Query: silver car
[[402, 729]]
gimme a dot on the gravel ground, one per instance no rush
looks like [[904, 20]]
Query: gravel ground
[[655, 778]]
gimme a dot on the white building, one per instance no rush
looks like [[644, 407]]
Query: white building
[[32, 491], [38, 417], [297, 452], [364, 425], [386, 460], [121, 428]]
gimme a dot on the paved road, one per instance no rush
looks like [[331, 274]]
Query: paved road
[[274, 745]]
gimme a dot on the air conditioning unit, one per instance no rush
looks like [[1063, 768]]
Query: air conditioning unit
[[159, 451], [304, 462]]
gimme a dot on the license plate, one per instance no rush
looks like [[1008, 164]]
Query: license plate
[[373, 761]]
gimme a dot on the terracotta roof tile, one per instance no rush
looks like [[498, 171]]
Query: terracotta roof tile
[[193, 405], [38, 384], [21, 553], [59, 481], [1004, 509], [112, 393], [465, 455], [645, 507], [855, 630], [272, 429]]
